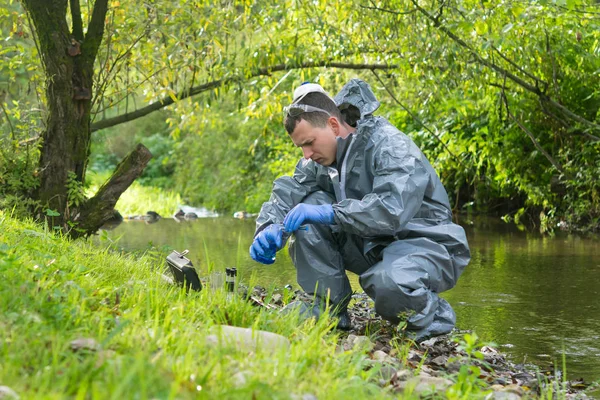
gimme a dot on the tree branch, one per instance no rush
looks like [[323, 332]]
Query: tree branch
[[417, 119], [570, 113], [12, 129], [530, 135], [514, 64], [525, 85], [189, 92], [106, 80], [576, 10], [374, 7], [76, 18], [93, 37], [100, 208]]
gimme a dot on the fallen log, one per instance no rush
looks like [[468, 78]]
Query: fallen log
[[100, 208]]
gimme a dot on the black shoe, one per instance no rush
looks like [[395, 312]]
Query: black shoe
[[308, 310], [344, 322]]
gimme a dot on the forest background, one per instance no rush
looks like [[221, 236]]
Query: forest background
[[503, 97]]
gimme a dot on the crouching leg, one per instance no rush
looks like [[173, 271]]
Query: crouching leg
[[407, 280]]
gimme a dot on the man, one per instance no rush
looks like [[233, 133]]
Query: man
[[363, 199]]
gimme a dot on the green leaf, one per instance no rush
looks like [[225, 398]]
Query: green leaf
[[507, 27], [481, 27], [52, 213]]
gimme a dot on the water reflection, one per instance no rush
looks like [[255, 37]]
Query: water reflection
[[534, 295]]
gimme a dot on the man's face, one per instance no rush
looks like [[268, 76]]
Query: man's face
[[318, 144]]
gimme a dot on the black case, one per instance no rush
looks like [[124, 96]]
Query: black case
[[183, 271]]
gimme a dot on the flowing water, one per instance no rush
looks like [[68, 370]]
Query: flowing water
[[536, 297]]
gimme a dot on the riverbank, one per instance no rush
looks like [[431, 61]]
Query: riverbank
[[82, 320]]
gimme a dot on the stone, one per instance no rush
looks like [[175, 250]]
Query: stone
[[430, 342], [387, 372], [428, 371], [414, 356], [246, 339], [305, 396], [348, 344], [362, 342], [383, 357], [439, 361], [239, 379], [516, 389], [425, 384], [501, 395], [380, 355], [402, 375], [85, 344], [7, 393], [103, 356], [277, 299], [453, 367]]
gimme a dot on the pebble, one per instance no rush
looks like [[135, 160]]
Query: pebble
[[425, 384], [239, 379], [7, 393], [440, 361], [246, 339], [306, 396], [103, 356], [402, 375], [85, 344], [362, 341], [277, 299], [387, 372], [383, 357], [501, 395]]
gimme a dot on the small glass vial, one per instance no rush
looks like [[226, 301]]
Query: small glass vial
[[230, 278]]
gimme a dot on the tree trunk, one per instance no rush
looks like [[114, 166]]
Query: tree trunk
[[68, 59], [66, 138]]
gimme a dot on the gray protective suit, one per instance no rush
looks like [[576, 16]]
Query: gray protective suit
[[393, 223]]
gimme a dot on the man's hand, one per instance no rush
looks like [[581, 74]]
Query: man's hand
[[268, 242], [308, 214]]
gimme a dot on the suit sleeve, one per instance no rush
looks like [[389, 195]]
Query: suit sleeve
[[288, 191]]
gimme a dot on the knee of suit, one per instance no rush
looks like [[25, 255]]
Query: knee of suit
[[393, 297]]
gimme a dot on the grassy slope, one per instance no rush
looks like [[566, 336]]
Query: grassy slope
[[152, 335], [53, 291]]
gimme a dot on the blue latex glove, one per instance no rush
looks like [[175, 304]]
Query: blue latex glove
[[308, 214], [268, 242]]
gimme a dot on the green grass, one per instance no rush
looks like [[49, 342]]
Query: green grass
[[53, 291], [138, 199], [152, 336]]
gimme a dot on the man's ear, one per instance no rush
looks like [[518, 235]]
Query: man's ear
[[336, 125]]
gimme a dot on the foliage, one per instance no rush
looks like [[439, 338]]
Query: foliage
[[488, 159], [500, 148], [111, 145], [75, 191], [502, 96]]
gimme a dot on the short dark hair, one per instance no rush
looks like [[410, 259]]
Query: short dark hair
[[319, 119]]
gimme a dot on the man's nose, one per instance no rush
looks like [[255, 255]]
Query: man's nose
[[307, 152]]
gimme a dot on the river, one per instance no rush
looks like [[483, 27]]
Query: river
[[535, 297]]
